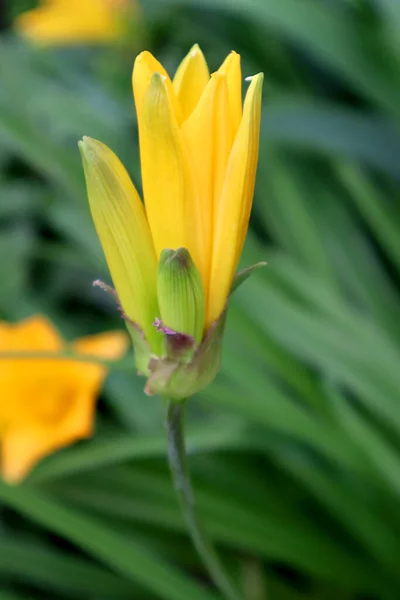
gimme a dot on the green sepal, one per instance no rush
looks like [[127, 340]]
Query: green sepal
[[177, 378], [180, 294], [244, 274], [141, 348], [181, 380]]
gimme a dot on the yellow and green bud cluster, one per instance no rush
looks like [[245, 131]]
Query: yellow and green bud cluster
[[173, 258]]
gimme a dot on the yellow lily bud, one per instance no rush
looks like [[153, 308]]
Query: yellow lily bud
[[198, 152]]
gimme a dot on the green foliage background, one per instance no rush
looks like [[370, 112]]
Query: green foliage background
[[295, 448]]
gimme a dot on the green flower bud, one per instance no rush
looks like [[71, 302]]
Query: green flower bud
[[181, 294]]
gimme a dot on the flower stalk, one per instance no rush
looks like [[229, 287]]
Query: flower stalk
[[177, 458]]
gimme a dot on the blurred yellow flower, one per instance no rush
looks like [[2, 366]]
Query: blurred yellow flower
[[199, 152], [75, 21], [47, 403]]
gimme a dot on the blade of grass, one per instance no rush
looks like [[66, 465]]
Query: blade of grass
[[120, 554]]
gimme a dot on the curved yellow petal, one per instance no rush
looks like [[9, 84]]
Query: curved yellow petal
[[235, 203], [143, 70], [168, 182], [231, 68], [62, 413], [190, 80], [36, 333], [121, 225], [33, 436], [208, 136], [60, 419], [223, 138], [22, 447]]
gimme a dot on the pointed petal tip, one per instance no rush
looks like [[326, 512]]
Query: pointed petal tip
[[88, 143], [218, 75], [93, 150], [142, 56], [195, 49], [85, 139], [82, 143], [231, 61], [258, 79], [254, 91]]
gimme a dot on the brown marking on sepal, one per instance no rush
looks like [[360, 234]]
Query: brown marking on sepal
[[179, 346]]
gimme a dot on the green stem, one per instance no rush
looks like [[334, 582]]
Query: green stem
[[181, 478]]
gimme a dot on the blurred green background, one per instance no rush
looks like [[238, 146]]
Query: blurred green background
[[295, 449]]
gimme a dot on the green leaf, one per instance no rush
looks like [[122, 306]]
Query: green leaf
[[334, 131], [117, 551], [28, 560], [102, 452]]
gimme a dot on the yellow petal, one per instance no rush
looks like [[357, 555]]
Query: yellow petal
[[33, 437], [30, 335], [144, 68], [47, 403], [208, 137], [169, 189], [231, 68], [33, 333], [63, 414], [223, 137], [22, 448], [190, 80], [121, 225], [235, 203]]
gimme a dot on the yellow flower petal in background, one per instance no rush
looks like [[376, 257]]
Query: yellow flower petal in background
[[23, 446], [190, 80], [37, 334], [235, 203], [144, 68], [74, 21], [169, 188], [107, 346], [52, 400], [120, 221]]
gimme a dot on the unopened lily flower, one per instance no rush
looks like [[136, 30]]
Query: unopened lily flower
[[173, 260], [75, 21], [47, 403]]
